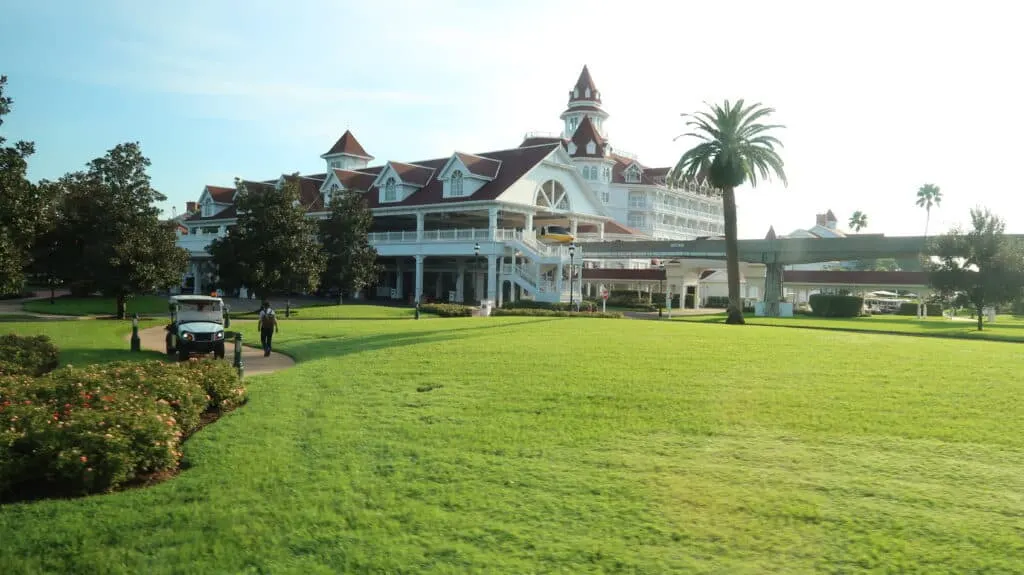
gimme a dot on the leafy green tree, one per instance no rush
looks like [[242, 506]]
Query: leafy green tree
[[273, 248], [109, 231], [980, 265], [20, 206], [877, 265], [734, 148], [351, 262], [858, 221]]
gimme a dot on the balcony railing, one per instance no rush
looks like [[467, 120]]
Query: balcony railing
[[684, 211], [452, 235]]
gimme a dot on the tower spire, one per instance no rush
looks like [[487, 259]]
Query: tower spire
[[584, 101]]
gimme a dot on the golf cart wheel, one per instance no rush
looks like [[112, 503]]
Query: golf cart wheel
[[183, 354], [218, 351], [170, 344]]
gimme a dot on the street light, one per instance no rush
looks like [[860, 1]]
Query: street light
[[572, 254], [135, 342]]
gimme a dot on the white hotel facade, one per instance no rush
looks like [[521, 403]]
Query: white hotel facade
[[463, 227]]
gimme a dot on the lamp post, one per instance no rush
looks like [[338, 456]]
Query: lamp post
[[238, 355], [476, 265], [572, 254], [136, 343]]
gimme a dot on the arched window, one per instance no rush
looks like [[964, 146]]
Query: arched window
[[390, 190], [551, 195], [456, 183]]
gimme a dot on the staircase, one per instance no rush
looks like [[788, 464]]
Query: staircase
[[528, 275]]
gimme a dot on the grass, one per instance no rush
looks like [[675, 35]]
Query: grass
[[85, 342], [517, 445], [98, 306], [1006, 328], [342, 312]]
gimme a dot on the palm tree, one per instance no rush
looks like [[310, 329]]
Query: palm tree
[[858, 221], [734, 148], [928, 196]]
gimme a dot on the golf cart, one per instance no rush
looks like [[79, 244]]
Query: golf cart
[[197, 326]]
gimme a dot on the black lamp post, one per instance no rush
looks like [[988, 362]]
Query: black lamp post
[[572, 254], [238, 364], [476, 263], [135, 342]]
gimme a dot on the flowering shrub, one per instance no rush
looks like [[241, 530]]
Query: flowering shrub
[[86, 430], [27, 355]]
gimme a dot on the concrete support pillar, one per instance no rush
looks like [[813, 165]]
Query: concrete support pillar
[[492, 222], [573, 225], [419, 225], [418, 294], [460, 280], [772, 289], [492, 277], [528, 230], [696, 296]]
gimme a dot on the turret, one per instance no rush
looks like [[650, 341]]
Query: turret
[[347, 154], [584, 101]]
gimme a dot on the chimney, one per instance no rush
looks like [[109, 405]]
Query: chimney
[[191, 207]]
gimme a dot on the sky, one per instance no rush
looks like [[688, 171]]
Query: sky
[[877, 97]]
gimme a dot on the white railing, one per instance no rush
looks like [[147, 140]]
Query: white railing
[[537, 134], [196, 243], [594, 237], [680, 210], [452, 235]]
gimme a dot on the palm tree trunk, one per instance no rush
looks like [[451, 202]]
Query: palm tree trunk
[[732, 257]]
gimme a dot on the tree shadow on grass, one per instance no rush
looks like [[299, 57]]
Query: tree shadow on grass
[[325, 346]]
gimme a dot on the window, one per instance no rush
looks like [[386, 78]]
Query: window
[[573, 122], [607, 174], [390, 190], [552, 195], [455, 183], [606, 197], [632, 175], [636, 220], [591, 147], [330, 194]]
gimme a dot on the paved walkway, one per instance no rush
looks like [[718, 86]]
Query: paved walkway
[[13, 306], [154, 338]]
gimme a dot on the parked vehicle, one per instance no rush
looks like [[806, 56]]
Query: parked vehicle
[[197, 326]]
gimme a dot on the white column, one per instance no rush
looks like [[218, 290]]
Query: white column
[[419, 226], [460, 278], [529, 226], [492, 277], [696, 296], [492, 222], [196, 279], [573, 224], [418, 294], [600, 231]]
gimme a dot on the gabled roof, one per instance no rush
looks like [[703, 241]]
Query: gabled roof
[[586, 133], [515, 163], [347, 145], [479, 165], [416, 174], [584, 82], [542, 140], [220, 194], [358, 180]]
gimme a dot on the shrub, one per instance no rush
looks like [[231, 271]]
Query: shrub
[[538, 312], [27, 355], [910, 308], [828, 305], [448, 309], [585, 305], [86, 430]]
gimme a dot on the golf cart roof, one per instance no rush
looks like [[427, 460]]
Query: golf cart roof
[[194, 299]]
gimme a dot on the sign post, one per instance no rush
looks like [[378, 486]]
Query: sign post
[[604, 299]]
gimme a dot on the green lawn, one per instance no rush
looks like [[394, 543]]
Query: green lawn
[[100, 306], [527, 445], [1006, 327], [85, 341], [344, 311]]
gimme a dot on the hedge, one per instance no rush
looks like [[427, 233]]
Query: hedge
[[585, 305], [828, 305], [86, 430], [27, 355], [448, 309], [910, 308], [538, 312]]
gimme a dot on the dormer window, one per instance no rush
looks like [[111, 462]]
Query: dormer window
[[587, 93], [455, 184], [572, 148], [591, 147], [330, 194], [390, 190], [207, 209], [632, 175]]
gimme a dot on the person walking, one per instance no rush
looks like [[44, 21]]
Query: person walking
[[267, 325]]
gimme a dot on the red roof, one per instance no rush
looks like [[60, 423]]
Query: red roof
[[580, 90], [585, 134], [358, 179], [414, 174], [856, 278], [539, 141], [221, 195], [348, 145], [479, 165]]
